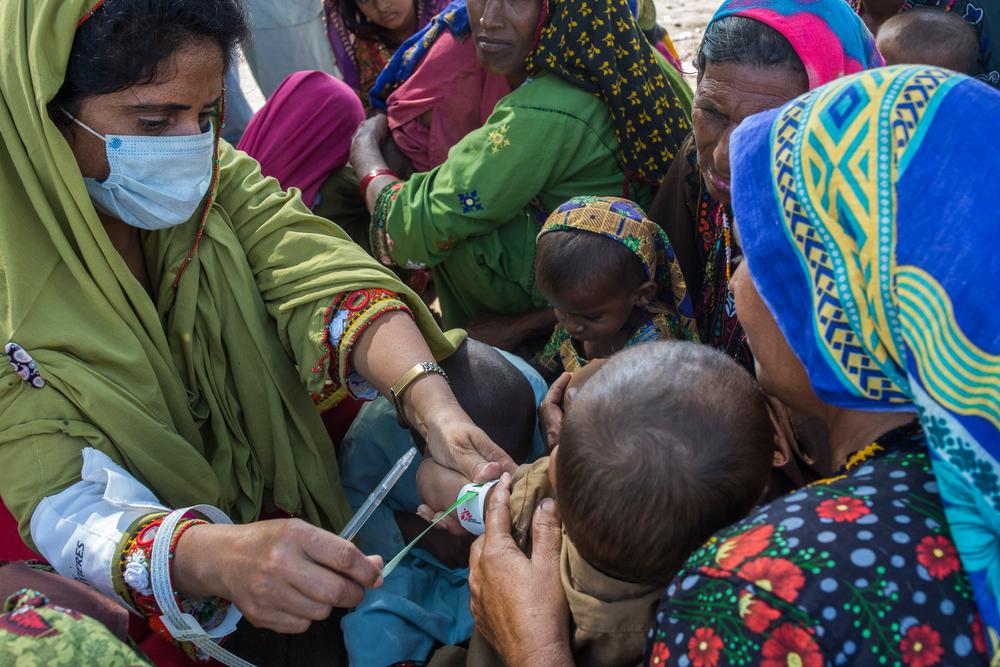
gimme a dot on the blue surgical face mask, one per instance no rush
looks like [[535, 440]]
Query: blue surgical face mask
[[155, 182]]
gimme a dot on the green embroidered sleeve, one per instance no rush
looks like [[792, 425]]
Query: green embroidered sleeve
[[523, 154]]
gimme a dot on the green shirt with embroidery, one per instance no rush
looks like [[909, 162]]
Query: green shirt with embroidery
[[474, 218]]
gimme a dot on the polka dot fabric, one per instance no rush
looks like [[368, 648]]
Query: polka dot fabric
[[859, 569]]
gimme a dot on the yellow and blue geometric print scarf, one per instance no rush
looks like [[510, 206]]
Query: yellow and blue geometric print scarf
[[879, 266]]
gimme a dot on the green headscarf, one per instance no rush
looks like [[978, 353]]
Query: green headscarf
[[203, 392]]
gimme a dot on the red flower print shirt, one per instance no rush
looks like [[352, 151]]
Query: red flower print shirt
[[856, 570]]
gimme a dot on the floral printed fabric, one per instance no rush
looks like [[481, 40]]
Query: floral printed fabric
[[859, 569], [35, 632]]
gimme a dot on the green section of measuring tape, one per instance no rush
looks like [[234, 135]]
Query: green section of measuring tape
[[387, 570]]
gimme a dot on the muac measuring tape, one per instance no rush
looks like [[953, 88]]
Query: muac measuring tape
[[184, 627]]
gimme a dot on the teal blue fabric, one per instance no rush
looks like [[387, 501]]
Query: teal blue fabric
[[424, 601]]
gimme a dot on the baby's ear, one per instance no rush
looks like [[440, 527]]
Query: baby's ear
[[782, 453], [645, 293], [784, 433]]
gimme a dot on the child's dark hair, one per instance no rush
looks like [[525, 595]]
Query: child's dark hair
[[495, 395], [573, 259], [932, 36], [124, 43], [668, 443]]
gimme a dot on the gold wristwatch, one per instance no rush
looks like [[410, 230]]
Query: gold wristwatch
[[407, 379]]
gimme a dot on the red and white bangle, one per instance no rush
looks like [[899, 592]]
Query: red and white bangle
[[371, 176], [183, 626]]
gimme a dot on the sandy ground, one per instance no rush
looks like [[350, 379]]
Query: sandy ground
[[684, 19]]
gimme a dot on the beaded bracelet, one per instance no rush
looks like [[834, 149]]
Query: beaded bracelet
[[379, 235]]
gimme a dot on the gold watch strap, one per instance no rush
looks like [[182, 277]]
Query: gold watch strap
[[407, 379]]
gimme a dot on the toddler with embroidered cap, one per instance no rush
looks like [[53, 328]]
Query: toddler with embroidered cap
[[665, 444], [612, 280]]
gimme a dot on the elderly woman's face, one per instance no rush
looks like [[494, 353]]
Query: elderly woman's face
[[389, 14], [504, 33], [779, 371], [179, 102], [727, 93]]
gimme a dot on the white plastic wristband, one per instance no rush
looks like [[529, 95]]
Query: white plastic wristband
[[472, 513], [184, 627]]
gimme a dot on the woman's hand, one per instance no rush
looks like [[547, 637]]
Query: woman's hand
[[496, 330], [282, 574], [390, 347], [371, 132], [518, 603], [455, 442], [508, 332], [550, 411]]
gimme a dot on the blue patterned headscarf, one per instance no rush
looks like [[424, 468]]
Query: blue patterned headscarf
[[879, 266]]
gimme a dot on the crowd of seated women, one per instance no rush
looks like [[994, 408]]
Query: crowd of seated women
[[700, 377]]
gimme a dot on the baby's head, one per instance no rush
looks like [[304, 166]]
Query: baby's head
[[929, 36], [596, 263], [666, 444]]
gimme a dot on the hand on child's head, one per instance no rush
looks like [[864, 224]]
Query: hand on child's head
[[579, 378], [550, 410]]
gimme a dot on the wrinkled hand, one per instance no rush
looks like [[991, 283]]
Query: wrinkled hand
[[282, 574], [366, 145], [373, 130], [518, 603], [499, 331], [454, 442], [550, 410]]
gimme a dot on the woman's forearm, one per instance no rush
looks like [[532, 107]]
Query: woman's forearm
[[366, 157], [376, 186], [196, 571], [391, 346]]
